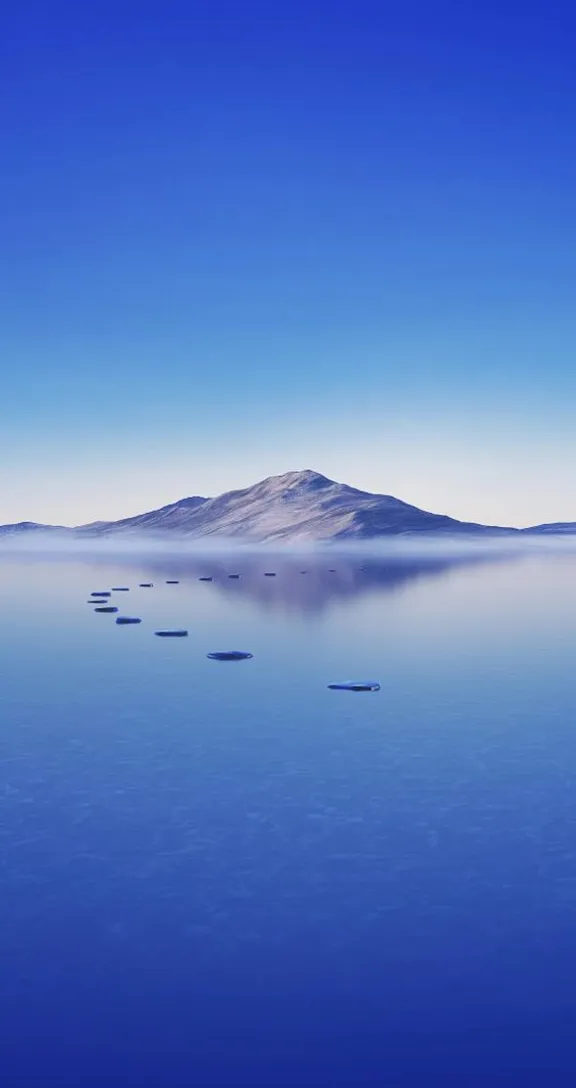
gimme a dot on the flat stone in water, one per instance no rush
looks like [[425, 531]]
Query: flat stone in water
[[229, 655], [356, 685], [176, 633], [106, 608], [123, 620]]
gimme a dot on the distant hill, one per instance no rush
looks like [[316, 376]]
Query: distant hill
[[557, 528], [298, 506], [22, 528]]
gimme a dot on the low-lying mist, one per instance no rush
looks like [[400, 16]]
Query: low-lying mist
[[399, 548]]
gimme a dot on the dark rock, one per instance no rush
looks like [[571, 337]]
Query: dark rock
[[356, 685], [229, 655]]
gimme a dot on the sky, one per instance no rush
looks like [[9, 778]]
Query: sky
[[240, 239]]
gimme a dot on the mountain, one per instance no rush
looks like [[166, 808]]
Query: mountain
[[22, 528], [557, 528], [298, 506]]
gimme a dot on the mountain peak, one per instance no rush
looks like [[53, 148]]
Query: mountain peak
[[305, 477]]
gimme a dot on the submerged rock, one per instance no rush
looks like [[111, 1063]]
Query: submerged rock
[[356, 685], [229, 655], [178, 632], [123, 620], [106, 608]]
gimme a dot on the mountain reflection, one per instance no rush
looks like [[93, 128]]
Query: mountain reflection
[[306, 585]]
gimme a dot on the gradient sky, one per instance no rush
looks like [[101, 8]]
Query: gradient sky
[[244, 238]]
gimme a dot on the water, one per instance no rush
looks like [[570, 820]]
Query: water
[[224, 873]]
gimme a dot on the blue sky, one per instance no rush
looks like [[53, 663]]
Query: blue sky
[[240, 239]]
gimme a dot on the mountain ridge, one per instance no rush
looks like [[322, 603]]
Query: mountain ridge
[[296, 506]]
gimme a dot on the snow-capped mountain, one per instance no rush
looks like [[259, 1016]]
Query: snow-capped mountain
[[298, 506]]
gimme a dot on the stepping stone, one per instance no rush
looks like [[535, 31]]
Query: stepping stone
[[229, 655], [356, 685]]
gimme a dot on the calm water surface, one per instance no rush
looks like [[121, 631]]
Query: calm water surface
[[225, 874]]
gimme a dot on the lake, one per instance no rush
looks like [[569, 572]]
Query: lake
[[223, 873]]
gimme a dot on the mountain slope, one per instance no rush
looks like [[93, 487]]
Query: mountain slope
[[296, 506], [173, 516]]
